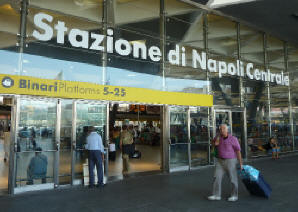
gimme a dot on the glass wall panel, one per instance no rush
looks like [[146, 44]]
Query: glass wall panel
[[36, 142], [199, 136], [65, 142], [88, 114], [179, 137], [181, 73], [130, 71], [9, 28], [61, 41], [136, 36], [279, 94], [256, 93], [295, 123], [293, 73], [222, 44], [34, 168]]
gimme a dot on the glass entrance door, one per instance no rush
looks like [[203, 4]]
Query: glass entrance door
[[87, 114], [199, 136], [36, 147], [65, 155], [179, 142], [239, 130], [234, 119]]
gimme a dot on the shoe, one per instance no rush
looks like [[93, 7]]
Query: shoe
[[91, 186], [213, 197], [232, 199], [100, 185]]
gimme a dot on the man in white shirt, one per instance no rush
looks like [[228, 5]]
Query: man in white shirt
[[96, 156]]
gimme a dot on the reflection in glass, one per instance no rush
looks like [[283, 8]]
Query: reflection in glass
[[295, 125], [88, 114], [179, 137], [199, 136], [292, 68], [222, 43], [279, 96], [65, 142], [257, 116], [134, 71], [9, 28], [36, 125], [34, 168], [182, 77], [35, 136], [57, 58]]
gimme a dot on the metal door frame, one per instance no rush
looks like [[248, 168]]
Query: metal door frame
[[15, 116], [74, 136], [230, 111], [184, 167]]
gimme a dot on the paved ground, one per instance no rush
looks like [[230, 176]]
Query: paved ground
[[184, 191]]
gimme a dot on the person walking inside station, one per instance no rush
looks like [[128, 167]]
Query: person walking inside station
[[126, 141], [95, 157], [228, 149]]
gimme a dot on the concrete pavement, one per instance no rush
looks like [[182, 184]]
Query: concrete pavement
[[183, 191]]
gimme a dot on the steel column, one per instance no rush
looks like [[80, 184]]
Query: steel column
[[188, 135], [291, 117], [15, 114], [73, 141], [162, 31], [165, 131], [57, 142], [267, 83], [22, 35]]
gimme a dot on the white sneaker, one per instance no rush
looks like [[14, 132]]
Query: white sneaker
[[232, 199], [213, 197]]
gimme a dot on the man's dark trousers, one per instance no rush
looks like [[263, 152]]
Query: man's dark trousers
[[95, 159]]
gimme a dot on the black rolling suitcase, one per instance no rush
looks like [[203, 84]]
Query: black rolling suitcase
[[137, 154], [254, 182]]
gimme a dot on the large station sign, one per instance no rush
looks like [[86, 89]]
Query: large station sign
[[23, 85], [95, 41]]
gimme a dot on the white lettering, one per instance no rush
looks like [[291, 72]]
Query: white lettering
[[257, 74], [110, 41], [278, 79], [48, 31], [183, 59], [196, 57], [272, 77], [232, 70], [173, 56], [249, 67], [118, 47], [154, 53], [96, 43], [222, 68], [61, 29], [212, 65], [136, 50], [264, 76], [286, 80], [72, 37]]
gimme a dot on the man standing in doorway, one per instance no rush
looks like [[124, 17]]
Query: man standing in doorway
[[126, 140], [228, 149], [95, 157]]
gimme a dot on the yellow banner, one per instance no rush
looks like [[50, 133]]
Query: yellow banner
[[24, 85]]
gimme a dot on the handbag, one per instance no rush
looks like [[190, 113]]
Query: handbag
[[214, 152]]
